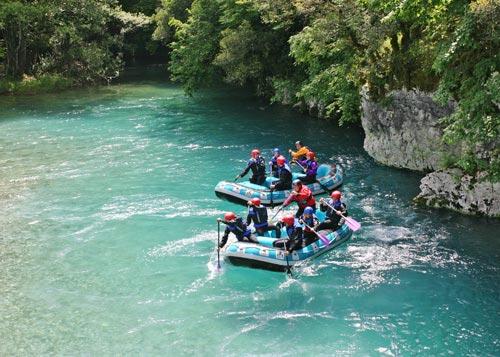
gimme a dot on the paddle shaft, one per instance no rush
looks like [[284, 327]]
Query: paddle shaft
[[218, 242], [323, 238], [336, 211], [288, 270]]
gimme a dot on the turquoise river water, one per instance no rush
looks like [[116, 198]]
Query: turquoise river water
[[108, 227]]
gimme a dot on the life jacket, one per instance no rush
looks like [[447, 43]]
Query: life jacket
[[259, 216], [312, 167], [258, 166], [309, 221], [338, 205], [294, 232], [285, 174], [239, 228], [303, 198]]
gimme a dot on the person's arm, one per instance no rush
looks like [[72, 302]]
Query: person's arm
[[244, 172], [224, 238], [296, 239], [249, 216]]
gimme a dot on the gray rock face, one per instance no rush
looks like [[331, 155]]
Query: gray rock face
[[464, 193], [406, 133]]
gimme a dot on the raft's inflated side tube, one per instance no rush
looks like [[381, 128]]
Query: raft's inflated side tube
[[242, 192], [266, 256]]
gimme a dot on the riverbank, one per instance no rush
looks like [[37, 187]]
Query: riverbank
[[35, 85]]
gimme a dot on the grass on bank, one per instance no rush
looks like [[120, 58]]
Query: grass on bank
[[34, 85]]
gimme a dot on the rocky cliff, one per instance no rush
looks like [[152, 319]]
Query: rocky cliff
[[406, 133]]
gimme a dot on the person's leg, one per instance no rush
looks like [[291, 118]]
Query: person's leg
[[326, 224], [308, 179]]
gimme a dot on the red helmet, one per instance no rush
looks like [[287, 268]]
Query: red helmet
[[255, 153], [281, 160], [255, 201], [336, 195], [311, 155], [289, 220], [229, 216]]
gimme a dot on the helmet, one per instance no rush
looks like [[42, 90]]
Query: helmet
[[255, 153], [229, 216], [297, 182], [255, 201], [280, 160], [299, 142], [289, 220], [336, 195], [311, 155], [276, 150], [308, 210]]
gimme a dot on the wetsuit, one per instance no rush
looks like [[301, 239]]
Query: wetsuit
[[284, 178], [311, 167], [258, 214], [295, 239], [258, 167], [332, 221], [309, 235], [239, 229], [303, 198]]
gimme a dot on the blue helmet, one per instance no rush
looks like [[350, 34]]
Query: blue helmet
[[308, 210], [276, 150]]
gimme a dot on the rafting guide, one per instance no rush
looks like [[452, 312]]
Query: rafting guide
[[258, 167]]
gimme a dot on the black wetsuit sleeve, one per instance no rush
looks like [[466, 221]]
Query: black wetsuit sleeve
[[249, 166], [224, 238]]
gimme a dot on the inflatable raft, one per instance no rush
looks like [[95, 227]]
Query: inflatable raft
[[265, 256], [328, 177]]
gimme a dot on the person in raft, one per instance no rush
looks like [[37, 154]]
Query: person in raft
[[301, 152], [310, 221], [273, 164], [333, 220], [310, 168], [302, 195], [294, 232], [258, 215], [284, 176], [235, 225], [258, 166]]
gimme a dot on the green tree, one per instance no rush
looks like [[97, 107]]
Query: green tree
[[196, 45], [469, 70]]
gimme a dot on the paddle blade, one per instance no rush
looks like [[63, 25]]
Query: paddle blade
[[352, 224], [324, 239]]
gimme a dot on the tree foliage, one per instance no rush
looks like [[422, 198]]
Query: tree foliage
[[76, 39], [321, 53]]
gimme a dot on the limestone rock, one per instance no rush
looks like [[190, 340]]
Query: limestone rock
[[464, 193], [406, 133]]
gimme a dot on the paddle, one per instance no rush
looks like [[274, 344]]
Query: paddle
[[218, 242], [278, 211], [322, 237], [288, 270], [237, 177], [351, 222]]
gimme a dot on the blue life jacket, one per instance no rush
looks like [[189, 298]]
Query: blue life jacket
[[258, 216]]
